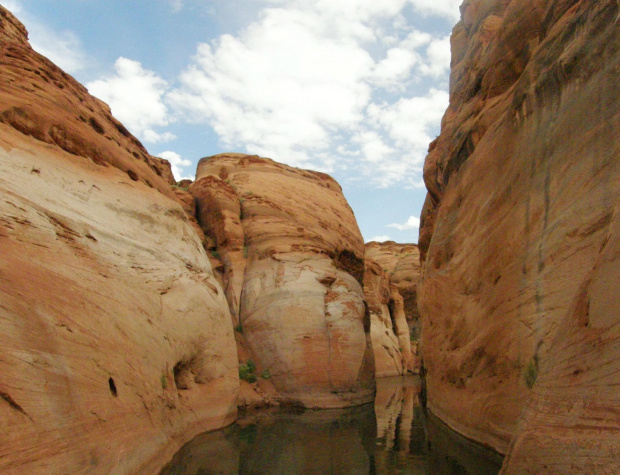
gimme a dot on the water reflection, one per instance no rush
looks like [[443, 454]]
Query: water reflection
[[393, 437]]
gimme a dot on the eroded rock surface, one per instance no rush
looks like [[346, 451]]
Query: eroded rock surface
[[391, 340], [402, 263], [520, 236], [40, 100], [292, 258], [117, 344]]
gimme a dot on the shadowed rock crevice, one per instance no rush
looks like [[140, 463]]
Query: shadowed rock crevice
[[7, 397], [112, 386]]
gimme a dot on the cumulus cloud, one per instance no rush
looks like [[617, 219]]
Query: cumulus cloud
[[62, 48], [177, 163], [280, 88], [408, 121], [448, 9], [437, 57], [318, 83], [136, 97], [412, 223]]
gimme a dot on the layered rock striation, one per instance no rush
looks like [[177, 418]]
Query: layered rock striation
[[402, 263], [520, 236], [391, 340], [117, 344], [292, 264]]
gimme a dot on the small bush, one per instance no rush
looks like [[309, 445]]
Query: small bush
[[239, 328], [265, 374], [245, 251], [215, 253], [246, 372]]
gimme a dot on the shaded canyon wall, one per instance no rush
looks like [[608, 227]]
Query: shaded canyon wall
[[520, 236]]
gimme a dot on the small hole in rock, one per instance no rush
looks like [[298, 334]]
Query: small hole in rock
[[112, 387]]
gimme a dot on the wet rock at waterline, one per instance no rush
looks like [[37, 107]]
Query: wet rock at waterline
[[520, 236]]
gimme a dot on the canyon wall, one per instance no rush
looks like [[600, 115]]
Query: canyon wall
[[292, 264], [402, 263], [117, 345], [394, 272], [520, 236]]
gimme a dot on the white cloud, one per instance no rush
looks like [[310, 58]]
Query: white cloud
[[437, 57], [135, 96], [448, 9], [382, 238], [315, 83], [280, 88], [63, 48], [395, 67], [177, 163], [412, 223], [151, 136], [408, 121]]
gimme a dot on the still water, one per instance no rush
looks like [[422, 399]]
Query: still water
[[393, 436]]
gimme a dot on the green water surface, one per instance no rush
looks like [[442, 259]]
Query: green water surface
[[392, 436]]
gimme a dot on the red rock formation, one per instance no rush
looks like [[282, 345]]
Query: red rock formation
[[39, 99], [389, 331], [116, 345], [293, 264], [520, 234], [402, 263]]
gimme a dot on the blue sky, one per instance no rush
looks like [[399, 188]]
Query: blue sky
[[353, 88]]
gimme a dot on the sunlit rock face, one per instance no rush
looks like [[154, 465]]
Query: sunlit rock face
[[117, 344], [292, 268], [391, 276], [402, 263], [520, 236], [391, 342]]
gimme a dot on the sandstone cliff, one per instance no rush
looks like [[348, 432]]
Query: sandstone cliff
[[521, 234], [391, 341], [291, 266], [402, 263], [117, 344]]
